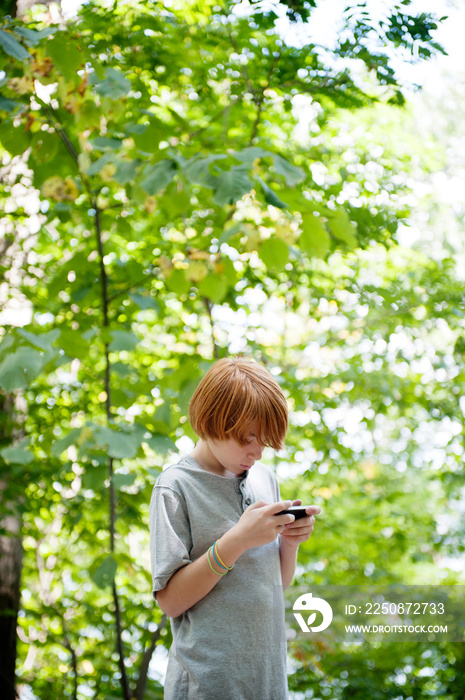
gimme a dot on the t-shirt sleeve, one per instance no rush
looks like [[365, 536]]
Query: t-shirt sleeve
[[170, 535]]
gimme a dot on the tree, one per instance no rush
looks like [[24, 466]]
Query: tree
[[168, 183]]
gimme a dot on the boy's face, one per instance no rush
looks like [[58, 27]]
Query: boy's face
[[232, 457]]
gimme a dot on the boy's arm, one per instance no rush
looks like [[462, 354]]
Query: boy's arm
[[288, 555], [294, 534], [258, 525], [192, 582]]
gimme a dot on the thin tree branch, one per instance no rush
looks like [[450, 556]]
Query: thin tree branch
[[257, 118], [210, 121], [259, 94], [244, 71], [131, 286], [60, 131], [51, 603], [112, 496], [261, 99], [74, 665], [119, 645], [104, 295], [119, 205], [208, 306], [145, 663]]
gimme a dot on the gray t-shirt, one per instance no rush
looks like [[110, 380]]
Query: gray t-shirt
[[231, 644]]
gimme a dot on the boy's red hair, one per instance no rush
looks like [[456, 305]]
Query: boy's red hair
[[237, 397]]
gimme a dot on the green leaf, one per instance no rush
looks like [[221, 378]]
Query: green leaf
[[122, 369], [34, 37], [228, 271], [145, 301], [270, 196], [175, 201], [15, 139], [105, 574], [122, 340], [20, 368], [115, 85], [74, 344], [136, 129], [120, 444], [7, 343], [342, 228], [213, 287], [7, 105], [103, 143], [147, 137], [123, 445], [46, 150], [231, 185], [177, 282], [161, 444], [126, 171], [119, 480], [72, 438], [12, 47], [275, 253], [100, 163], [162, 419], [81, 292], [158, 176], [41, 340], [248, 155], [296, 200], [66, 55], [17, 454], [94, 477], [314, 238], [291, 173], [229, 233], [197, 170], [88, 115]]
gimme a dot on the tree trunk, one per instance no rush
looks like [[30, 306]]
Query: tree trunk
[[10, 556], [10, 576], [9, 8]]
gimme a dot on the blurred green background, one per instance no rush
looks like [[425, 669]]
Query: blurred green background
[[187, 180]]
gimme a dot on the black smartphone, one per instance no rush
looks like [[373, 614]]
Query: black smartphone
[[297, 511]]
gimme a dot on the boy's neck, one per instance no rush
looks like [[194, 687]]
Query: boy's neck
[[207, 460]]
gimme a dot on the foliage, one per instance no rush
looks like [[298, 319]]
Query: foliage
[[159, 201]]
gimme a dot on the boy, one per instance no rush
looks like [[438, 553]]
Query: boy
[[219, 551]]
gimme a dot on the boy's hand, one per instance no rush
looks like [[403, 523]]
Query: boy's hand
[[300, 530], [259, 523]]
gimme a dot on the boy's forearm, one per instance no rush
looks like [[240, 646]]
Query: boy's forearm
[[192, 582], [288, 557]]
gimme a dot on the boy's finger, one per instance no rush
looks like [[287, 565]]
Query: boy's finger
[[257, 504], [303, 523], [279, 506], [285, 519], [313, 510]]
